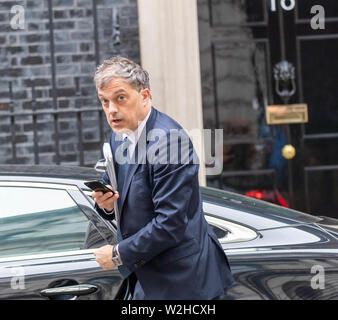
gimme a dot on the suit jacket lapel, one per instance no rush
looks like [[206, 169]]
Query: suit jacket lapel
[[140, 156]]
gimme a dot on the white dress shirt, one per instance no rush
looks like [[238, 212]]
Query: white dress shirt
[[135, 135], [133, 138]]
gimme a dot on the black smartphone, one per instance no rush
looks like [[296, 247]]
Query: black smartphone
[[98, 186]]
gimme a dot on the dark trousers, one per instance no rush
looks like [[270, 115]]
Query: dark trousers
[[138, 293], [136, 290]]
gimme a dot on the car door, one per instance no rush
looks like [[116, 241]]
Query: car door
[[48, 233]]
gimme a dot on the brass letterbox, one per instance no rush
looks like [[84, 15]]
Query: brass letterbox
[[287, 114]]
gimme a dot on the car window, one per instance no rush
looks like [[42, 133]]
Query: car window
[[41, 220], [229, 232]]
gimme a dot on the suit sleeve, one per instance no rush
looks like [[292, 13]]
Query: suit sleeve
[[171, 194]]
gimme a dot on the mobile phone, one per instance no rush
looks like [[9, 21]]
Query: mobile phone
[[98, 186]]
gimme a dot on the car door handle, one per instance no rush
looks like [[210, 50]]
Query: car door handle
[[77, 290]]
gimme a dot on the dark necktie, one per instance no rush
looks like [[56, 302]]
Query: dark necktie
[[121, 176], [122, 170]]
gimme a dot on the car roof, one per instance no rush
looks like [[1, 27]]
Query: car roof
[[51, 171], [259, 214], [255, 213]]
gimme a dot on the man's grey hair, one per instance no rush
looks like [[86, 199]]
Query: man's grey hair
[[120, 67]]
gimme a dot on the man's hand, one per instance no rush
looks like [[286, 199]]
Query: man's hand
[[104, 257], [105, 200]]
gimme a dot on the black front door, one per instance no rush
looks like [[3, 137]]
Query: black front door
[[246, 48]]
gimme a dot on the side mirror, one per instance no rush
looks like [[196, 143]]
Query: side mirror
[[101, 166]]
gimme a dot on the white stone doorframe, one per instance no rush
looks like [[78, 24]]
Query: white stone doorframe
[[169, 45]]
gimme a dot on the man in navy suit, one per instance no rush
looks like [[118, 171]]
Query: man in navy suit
[[163, 237]]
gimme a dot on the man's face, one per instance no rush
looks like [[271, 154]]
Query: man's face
[[124, 106]]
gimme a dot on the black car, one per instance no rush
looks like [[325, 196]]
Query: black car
[[49, 230]]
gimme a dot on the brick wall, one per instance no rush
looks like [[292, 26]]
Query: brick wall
[[25, 56]]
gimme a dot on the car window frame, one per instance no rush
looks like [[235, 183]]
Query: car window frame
[[235, 231], [79, 199]]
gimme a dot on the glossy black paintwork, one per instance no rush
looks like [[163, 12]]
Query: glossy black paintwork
[[44, 273], [280, 263]]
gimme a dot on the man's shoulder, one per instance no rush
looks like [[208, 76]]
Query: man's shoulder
[[170, 130], [165, 122], [172, 141]]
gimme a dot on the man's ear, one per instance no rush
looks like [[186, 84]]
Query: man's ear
[[145, 94]]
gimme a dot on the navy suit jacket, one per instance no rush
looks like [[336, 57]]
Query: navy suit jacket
[[166, 239]]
